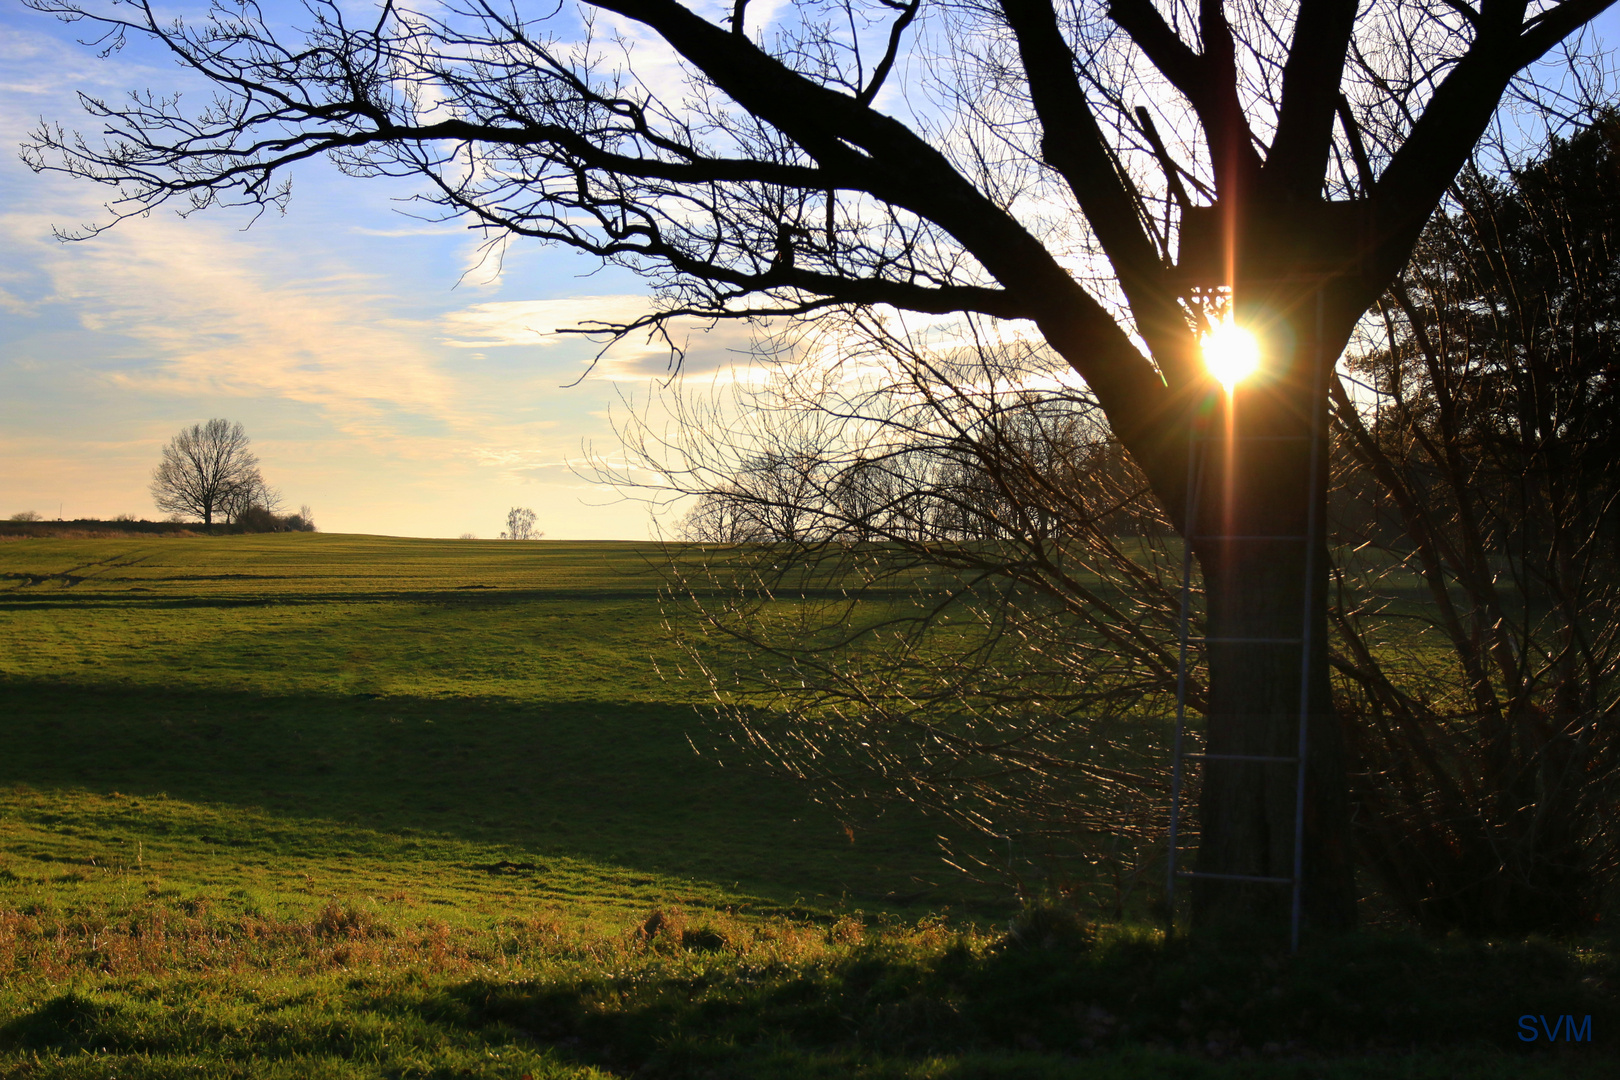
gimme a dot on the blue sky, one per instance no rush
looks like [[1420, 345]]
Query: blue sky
[[387, 377]]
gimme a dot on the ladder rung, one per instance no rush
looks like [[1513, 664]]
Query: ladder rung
[[1249, 640], [1243, 757], [1250, 536], [1251, 438], [1235, 877]]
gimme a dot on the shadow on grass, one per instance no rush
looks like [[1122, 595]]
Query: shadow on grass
[[1356, 997], [608, 781], [1354, 1007], [903, 1002]]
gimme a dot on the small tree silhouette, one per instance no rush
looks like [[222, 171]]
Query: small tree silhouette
[[520, 525]]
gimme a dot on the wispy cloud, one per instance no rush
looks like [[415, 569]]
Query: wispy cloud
[[223, 316], [697, 347]]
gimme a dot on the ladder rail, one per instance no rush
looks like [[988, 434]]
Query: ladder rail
[[1193, 484], [1305, 642], [1312, 526]]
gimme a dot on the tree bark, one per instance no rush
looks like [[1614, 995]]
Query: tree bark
[[1264, 564]]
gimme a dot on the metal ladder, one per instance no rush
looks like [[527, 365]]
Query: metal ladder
[[1195, 475]]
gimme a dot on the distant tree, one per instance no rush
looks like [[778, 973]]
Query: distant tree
[[27, 515], [717, 517], [257, 517], [303, 521], [770, 498], [258, 501], [520, 525], [206, 470], [467, 536]]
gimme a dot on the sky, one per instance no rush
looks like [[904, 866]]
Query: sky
[[390, 376]]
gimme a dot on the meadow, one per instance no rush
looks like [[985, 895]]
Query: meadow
[[339, 806]]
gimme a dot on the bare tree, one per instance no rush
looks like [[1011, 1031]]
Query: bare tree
[[254, 497], [206, 470], [1045, 170], [520, 525], [303, 521], [772, 497], [908, 632]]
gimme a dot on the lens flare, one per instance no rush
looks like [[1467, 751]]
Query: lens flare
[[1231, 353]]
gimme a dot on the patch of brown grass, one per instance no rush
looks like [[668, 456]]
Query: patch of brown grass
[[168, 935]]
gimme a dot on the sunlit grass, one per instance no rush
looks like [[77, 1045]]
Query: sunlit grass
[[310, 806]]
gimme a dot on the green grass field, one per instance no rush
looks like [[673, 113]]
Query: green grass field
[[309, 806]]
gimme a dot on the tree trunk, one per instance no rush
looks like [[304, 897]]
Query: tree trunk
[[1254, 514]]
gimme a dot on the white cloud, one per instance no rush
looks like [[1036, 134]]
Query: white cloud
[[222, 315], [536, 322]]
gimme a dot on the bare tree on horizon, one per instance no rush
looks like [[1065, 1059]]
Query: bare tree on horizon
[[520, 525], [207, 469]]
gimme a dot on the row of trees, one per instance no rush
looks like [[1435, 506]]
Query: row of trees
[[208, 472], [1475, 520]]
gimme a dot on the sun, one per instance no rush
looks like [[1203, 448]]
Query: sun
[[1231, 353]]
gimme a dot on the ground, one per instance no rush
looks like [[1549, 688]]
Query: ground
[[308, 805]]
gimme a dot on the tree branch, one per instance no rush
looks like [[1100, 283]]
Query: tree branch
[[1074, 145], [896, 32], [1444, 135], [1208, 81], [1549, 27], [1310, 91], [1358, 148], [872, 152]]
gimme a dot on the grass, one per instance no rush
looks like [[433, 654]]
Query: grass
[[314, 806]]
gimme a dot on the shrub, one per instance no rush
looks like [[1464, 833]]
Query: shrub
[[258, 519], [1044, 924]]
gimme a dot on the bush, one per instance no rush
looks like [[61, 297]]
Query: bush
[[261, 519], [258, 519], [1047, 924]]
